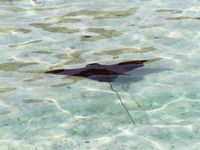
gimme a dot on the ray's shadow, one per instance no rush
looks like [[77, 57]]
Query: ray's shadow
[[138, 75]]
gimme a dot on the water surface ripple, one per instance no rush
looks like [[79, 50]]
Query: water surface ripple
[[47, 112]]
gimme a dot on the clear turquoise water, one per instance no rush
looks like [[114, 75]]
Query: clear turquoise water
[[40, 111]]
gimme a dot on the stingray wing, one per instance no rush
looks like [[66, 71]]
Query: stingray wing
[[58, 71], [135, 62], [67, 72]]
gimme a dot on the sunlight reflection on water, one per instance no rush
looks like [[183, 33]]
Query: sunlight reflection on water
[[41, 111]]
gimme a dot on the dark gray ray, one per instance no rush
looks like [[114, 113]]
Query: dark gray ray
[[108, 73], [101, 73]]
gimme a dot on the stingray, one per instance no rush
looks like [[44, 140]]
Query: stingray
[[104, 73], [101, 73]]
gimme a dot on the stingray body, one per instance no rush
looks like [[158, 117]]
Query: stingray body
[[101, 73]]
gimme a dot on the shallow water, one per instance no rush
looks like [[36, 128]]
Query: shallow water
[[41, 111]]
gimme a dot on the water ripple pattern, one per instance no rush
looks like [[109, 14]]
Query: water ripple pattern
[[40, 111]]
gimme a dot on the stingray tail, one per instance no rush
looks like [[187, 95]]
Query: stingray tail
[[122, 103]]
